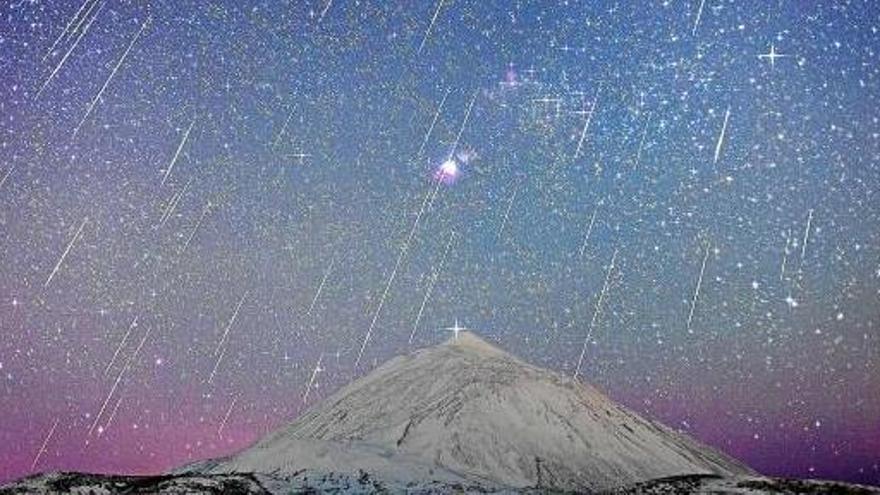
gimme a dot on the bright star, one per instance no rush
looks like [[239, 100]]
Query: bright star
[[772, 55], [455, 329], [448, 172]]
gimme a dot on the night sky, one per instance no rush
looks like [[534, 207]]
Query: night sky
[[214, 214]]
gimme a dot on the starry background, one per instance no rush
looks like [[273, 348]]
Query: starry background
[[181, 179]]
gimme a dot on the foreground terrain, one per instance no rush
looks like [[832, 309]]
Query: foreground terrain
[[304, 483]]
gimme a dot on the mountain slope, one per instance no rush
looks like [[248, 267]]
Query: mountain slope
[[465, 411]]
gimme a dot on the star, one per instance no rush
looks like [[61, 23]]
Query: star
[[772, 55], [455, 329], [447, 172]]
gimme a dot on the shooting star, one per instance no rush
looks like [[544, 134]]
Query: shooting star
[[177, 153], [221, 348], [806, 236], [110, 77], [216, 366], [315, 372], [283, 129], [403, 250], [433, 123], [79, 23], [66, 29], [785, 255], [195, 229], [66, 251], [461, 129], [6, 175], [447, 172], [70, 50], [642, 142], [433, 282], [699, 16], [231, 322], [721, 136], [595, 317], [430, 26], [589, 231], [226, 417], [507, 212], [697, 289], [44, 445], [121, 344], [112, 415], [125, 368], [321, 285], [172, 204], [369, 333], [580, 145]]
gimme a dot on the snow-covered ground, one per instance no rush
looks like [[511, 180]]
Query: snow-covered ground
[[308, 482]]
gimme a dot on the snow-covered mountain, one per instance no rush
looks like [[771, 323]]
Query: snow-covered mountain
[[465, 411], [461, 417]]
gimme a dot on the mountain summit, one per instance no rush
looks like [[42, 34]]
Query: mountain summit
[[467, 412]]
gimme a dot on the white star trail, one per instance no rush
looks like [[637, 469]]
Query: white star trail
[[595, 317], [806, 236], [177, 152], [721, 136], [112, 414], [784, 256], [283, 129], [326, 8], [226, 417], [507, 212], [121, 344], [44, 445], [195, 229], [461, 129], [589, 232], [172, 204], [577, 152], [122, 372], [110, 77], [433, 123], [216, 366], [66, 29], [317, 369], [699, 16], [321, 285], [697, 289], [230, 323], [65, 253], [6, 175], [369, 333], [220, 350], [430, 26], [70, 50], [642, 142], [403, 250], [431, 284]]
